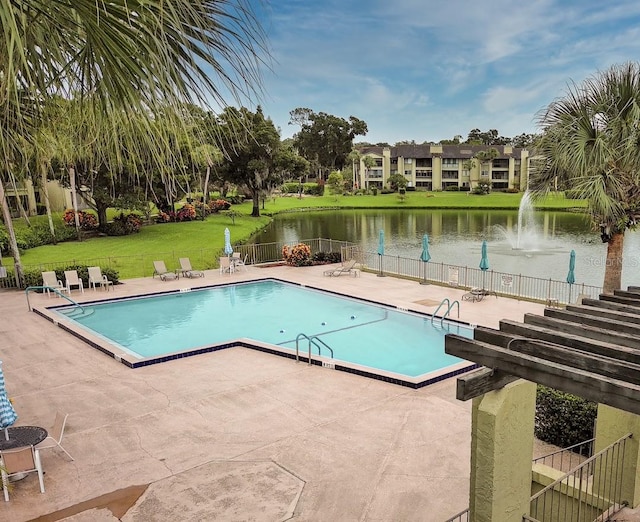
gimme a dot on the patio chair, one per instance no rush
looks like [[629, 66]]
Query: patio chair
[[54, 439], [187, 271], [226, 265], [159, 269], [237, 261], [17, 462], [348, 268], [73, 280], [50, 280], [96, 278]]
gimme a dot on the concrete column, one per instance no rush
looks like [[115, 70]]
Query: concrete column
[[501, 451], [612, 425]]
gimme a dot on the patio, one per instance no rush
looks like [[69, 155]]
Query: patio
[[238, 434]]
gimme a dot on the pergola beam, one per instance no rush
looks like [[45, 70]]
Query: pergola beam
[[589, 385]]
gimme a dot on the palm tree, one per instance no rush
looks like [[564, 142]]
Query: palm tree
[[119, 58], [591, 143]]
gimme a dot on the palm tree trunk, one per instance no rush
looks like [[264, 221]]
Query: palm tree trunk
[[47, 204], [6, 214], [74, 199], [613, 267]]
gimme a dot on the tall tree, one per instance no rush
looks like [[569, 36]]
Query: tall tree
[[325, 140], [591, 142], [255, 158], [136, 56]]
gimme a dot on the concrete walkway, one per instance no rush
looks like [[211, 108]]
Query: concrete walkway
[[238, 434]]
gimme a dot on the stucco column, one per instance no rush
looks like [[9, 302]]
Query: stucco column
[[501, 449], [612, 425]]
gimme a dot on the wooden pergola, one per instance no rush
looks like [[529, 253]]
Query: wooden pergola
[[591, 350]]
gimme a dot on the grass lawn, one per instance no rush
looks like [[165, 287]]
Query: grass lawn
[[203, 241]]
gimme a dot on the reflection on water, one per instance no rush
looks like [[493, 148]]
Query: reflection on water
[[455, 237]]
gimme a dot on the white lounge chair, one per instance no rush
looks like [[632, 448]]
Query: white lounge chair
[[73, 280], [17, 462], [187, 271], [348, 268], [96, 278], [51, 281], [160, 269]]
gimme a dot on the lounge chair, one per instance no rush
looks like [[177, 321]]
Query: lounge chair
[[159, 269], [54, 439], [187, 271], [73, 280], [51, 281], [237, 261], [17, 462], [226, 265], [96, 278], [348, 268]]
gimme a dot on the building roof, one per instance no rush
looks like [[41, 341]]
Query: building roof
[[463, 151]]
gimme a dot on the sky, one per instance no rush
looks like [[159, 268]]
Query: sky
[[427, 70]]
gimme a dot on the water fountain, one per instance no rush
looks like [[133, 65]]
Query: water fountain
[[525, 235]]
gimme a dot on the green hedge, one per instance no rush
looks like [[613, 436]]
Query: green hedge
[[312, 189], [36, 235], [563, 419]]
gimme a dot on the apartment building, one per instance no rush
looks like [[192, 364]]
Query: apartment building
[[437, 167], [24, 197]]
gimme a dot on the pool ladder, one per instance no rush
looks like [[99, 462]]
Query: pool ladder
[[450, 305], [313, 340]]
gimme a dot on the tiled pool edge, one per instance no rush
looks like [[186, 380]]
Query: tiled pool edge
[[132, 362]]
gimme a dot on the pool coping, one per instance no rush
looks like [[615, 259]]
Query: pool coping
[[131, 361]]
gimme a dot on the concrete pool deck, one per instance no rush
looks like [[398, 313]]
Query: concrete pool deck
[[238, 434]]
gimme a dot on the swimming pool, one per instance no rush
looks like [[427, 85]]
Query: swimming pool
[[348, 333]]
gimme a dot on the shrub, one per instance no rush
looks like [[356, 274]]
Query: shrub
[[387, 191], [511, 190], [563, 419], [452, 188], [326, 257], [87, 220], [124, 225], [299, 255], [236, 200], [186, 213], [219, 204], [374, 191]]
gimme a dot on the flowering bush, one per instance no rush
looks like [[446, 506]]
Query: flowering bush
[[163, 217], [299, 255], [219, 204], [186, 213], [202, 209], [87, 221], [124, 225]]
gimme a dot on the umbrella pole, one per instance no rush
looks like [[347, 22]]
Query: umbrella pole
[[380, 274], [424, 279], [6, 433]]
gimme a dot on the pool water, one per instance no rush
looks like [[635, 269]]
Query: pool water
[[274, 312]]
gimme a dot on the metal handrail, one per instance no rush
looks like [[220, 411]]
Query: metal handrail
[[449, 308], [55, 290], [311, 340]]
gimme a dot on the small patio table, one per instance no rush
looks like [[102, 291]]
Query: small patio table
[[20, 436]]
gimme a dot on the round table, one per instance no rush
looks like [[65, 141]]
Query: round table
[[20, 436]]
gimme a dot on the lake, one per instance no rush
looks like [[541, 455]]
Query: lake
[[455, 237]]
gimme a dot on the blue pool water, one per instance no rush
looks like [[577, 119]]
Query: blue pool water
[[273, 312]]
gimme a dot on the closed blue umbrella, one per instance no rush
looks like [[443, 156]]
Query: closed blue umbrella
[[571, 276], [381, 250], [228, 249], [484, 262], [381, 243], [425, 257], [7, 414]]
